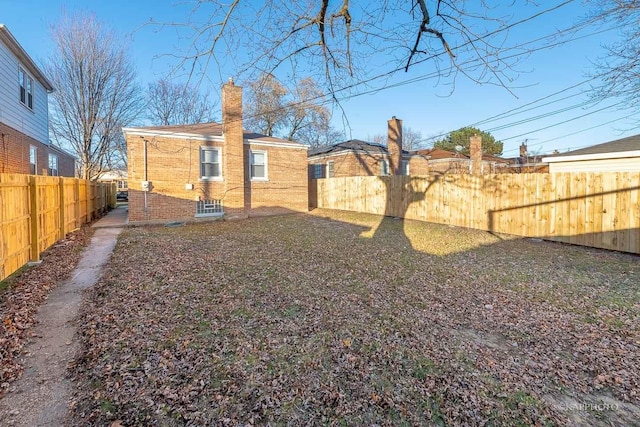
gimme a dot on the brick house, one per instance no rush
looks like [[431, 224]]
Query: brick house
[[24, 115], [196, 171], [447, 162], [361, 158]]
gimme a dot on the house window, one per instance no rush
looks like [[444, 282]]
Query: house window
[[53, 165], [26, 88], [210, 163], [330, 169], [209, 208], [33, 160], [384, 167], [317, 171], [405, 168], [258, 166], [122, 184]]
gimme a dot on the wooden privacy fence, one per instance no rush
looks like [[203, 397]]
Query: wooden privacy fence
[[37, 211], [600, 210]]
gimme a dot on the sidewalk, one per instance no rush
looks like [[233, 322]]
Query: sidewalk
[[119, 217], [41, 397]]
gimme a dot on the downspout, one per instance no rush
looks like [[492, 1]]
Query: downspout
[[146, 205]]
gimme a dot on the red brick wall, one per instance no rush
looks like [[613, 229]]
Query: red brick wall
[[174, 162], [14, 154], [361, 164], [350, 164], [233, 160], [394, 145], [287, 188]]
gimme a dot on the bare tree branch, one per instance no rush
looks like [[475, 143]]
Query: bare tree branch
[[95, 95]]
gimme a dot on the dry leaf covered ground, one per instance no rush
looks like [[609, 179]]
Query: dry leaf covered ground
[[338, 318], [22, 293]]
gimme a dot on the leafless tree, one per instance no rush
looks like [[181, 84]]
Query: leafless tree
[[411, 139], [170, 103], [96, 93], [296, 115], [339, 42], [619, 71], [265, 105]]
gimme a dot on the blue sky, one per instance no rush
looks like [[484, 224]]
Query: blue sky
[[427, 105]]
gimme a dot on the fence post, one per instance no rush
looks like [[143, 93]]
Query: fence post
[[35, 232], [77, 204], [88, 193], [62, 209]]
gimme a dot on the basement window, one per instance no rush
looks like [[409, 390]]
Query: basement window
[[205, 208]]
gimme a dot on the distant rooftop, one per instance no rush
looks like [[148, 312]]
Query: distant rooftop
[[630, 143], [354, 145]]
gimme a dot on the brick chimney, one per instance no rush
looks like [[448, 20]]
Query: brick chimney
[[233, 168], [523, 150], [475, 150], [394, 145]]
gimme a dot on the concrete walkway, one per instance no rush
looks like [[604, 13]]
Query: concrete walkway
[[41, 397]]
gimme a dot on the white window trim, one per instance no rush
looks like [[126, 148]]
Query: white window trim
[[408, 171], [266, 165], [333, 169], [26, 91], [386, 162], [35, 165], [49, 168], [209, 178]]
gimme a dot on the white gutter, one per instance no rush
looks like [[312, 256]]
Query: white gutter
[[598, 156], [209, 138]]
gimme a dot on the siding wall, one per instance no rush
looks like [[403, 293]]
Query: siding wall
[[12, 112], [604, 165]]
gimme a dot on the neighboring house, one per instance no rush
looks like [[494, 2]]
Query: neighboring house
[[202, 170], [115, 176], [622, 155], [527, 162], [24, 115], [360, 158], [447, 162]]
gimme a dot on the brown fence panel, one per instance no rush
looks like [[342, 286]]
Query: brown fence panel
[[14, 223], [37, 211], [592, 209]]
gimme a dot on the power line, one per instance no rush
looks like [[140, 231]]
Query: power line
[[563, 122], [434, 56], [577, 132]]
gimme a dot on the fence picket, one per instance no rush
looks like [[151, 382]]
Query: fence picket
[[598, 209]]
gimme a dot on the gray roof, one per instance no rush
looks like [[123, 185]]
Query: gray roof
[[630, 143], [353, 145]]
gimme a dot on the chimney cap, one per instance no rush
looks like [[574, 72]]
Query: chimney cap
[[231, 80]]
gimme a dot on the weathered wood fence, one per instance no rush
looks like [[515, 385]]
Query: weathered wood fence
[[37, 211], [593, 209]]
